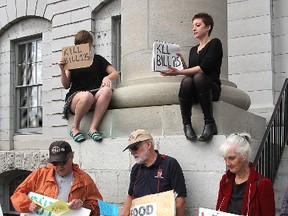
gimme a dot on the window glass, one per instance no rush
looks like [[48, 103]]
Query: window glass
[[29, 85]]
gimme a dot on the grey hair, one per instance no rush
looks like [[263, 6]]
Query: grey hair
[[239, 141]]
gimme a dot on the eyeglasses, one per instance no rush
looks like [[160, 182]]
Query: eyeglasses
[[59, 163], [136, 147]]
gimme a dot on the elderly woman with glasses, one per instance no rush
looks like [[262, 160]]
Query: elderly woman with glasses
[[243, 190]]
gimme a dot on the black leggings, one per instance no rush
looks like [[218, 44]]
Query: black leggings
[[192, 86]]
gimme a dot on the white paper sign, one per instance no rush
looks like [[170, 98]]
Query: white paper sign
[[210, 212], [144, 209], [1, 213], [46, 201], [164, 55]]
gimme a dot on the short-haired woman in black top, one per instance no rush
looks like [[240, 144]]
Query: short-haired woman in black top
[[201, 81]]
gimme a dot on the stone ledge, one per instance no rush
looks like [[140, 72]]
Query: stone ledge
[[166, 93], [166, 120]]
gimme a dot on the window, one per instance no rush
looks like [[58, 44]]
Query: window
[[10, 181], [29, 86], [116, 42]]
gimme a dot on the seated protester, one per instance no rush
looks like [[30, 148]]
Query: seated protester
[[243, 190], [89, 89], [149, 167], [62, 180]]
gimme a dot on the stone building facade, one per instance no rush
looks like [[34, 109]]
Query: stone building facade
[[254, 37]]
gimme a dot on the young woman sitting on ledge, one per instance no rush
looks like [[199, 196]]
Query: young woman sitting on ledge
[[90, 89]]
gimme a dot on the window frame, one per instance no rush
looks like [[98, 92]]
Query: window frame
[[38, 85], [116, 43]]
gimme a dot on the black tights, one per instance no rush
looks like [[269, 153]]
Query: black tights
[[192, 86]]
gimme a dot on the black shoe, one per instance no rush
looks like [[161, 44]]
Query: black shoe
[[209, 130], [189, 132]]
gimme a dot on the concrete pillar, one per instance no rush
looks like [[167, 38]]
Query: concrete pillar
[[144, 21]]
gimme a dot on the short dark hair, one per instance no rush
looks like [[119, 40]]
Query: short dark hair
[[207, 19], [83, 37]]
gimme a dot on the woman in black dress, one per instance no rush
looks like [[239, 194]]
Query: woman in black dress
[[201, 81]]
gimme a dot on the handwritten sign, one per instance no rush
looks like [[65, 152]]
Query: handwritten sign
[[144, 209], [77, 56], [155, 204], [107, 209], [45, 202], [210, 212], [59, 207], [164, 55]]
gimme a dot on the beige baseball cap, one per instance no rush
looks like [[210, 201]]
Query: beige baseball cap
[[136, 137]]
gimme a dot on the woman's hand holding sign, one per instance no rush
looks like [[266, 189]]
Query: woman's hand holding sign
[[171, 72]]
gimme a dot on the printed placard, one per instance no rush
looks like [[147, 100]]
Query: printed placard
[[77, 56], [210, 212], [164, 55]]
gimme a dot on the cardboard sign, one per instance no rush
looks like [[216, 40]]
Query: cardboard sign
[[77, 56], [53, 207], [210, 212], [107, 209], [155, 204], [144, 209], [164, 55]]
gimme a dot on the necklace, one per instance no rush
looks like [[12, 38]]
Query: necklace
[[200, 47]]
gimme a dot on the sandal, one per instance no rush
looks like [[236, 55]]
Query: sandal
[[78, 137], [96, 136]]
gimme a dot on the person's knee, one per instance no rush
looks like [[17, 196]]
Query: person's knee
[[86, 97], [106, 92], [199, 78], [186, 88]]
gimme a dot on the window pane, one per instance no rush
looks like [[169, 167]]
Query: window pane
[[21, 75], [21, 53], [23, 98], [40, 116], [33, 114], [29, 76], [31, 49], [23, 118], [39, 72], [33, 96]]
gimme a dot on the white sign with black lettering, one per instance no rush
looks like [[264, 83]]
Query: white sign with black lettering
[[149, 209], [164, 54]]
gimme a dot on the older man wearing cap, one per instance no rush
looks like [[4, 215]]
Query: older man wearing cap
[[62, 180], [153, 172]]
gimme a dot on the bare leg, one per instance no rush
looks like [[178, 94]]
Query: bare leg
[[80, 105], [102, 97]]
